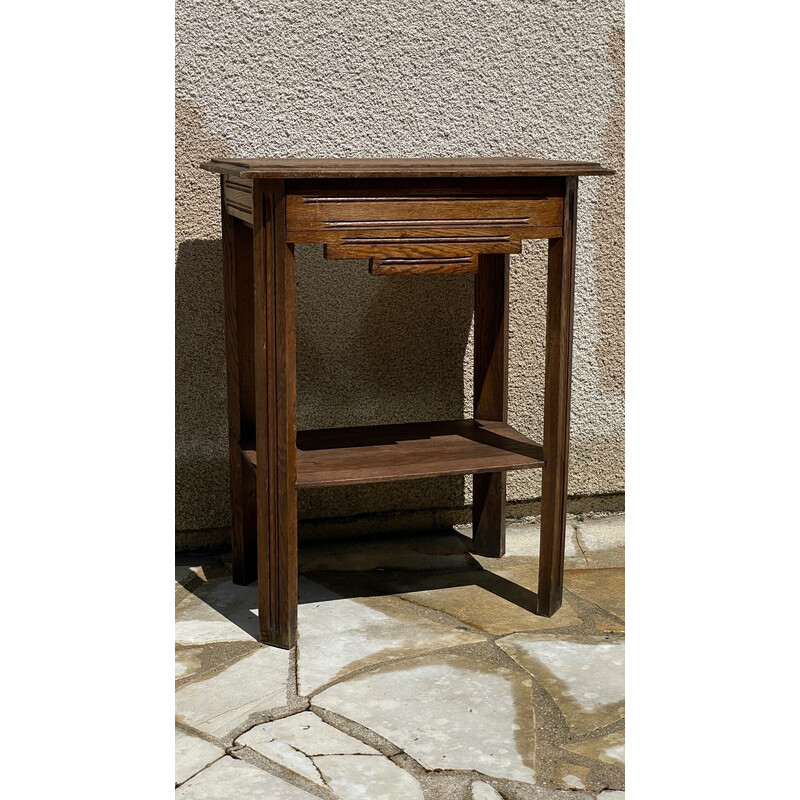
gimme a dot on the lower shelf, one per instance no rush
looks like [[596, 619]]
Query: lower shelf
[[381, 453]]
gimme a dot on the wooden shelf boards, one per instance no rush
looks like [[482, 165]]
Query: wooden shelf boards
[[381, 453]]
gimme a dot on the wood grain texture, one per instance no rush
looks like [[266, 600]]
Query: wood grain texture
[[275, 383], [418, 246], [410, 217], [243, 248], [491, 338], [448, 220], [490, 399], [360, 243], [399, 167], [237, 194], [309, 212], [238, 300], [361, 217], [241, 559], [382, 453], [430, 188], [558, 373], [423, 246], [424, 266]]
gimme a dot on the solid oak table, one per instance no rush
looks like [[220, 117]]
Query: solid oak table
[[408, 217]]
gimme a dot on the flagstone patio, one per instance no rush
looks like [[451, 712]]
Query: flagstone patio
[[420, 674]]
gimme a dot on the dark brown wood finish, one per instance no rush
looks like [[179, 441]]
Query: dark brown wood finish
[[382, 453], [400, 167], [237, 249], [245, 310], [438, 226], [239, 550], [276, 428], [409, 217], [316, 213], [237, 196], [443, 265], [487, 188], [243, 240], [557, 380], [490, 397]]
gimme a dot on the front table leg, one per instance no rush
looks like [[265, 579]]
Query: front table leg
[[276, 426], [557, 377]]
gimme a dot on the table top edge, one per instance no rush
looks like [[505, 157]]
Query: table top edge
[[302, 168]]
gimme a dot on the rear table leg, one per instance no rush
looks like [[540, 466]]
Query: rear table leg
[[491, 397], [237, 250]]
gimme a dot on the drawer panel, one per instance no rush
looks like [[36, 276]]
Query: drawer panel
[[393, 207], [420, 246], [308, 213], [457, 265], [422, 223]]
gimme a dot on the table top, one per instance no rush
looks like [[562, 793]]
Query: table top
[[401, 167]]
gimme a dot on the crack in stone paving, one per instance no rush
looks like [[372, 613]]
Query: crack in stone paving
[[195, 774], [580, 546], [310, 758], [357, 731], [399, 757], [438, 616], [378, 630], [272, 715], [292, 686], [372, 665], [517, 703], [548, 736], [309, 754], [445, 618], [250, 756], [486, 652]]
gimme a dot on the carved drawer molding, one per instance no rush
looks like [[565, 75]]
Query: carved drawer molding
[[237, 194], [405, 230]]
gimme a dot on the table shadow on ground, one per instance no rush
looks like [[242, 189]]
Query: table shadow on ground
[[391, 576]]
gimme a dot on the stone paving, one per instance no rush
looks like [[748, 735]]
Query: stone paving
[[420, 674]]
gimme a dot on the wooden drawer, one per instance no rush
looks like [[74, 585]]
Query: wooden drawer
[[405, 228]]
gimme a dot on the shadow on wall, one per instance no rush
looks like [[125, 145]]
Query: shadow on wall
[[370, 350], [201, 427]]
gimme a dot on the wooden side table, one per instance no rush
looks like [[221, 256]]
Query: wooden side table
[[408, 217]]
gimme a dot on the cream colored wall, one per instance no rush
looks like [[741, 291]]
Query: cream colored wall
[[490, 78]]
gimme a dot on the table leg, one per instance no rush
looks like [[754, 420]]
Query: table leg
[[237, 250], [558, 369], [490, 397], [276, 427]]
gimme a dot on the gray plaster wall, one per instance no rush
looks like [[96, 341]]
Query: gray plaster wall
[[454, 78]]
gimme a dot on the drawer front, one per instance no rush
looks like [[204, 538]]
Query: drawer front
[[439, 226]]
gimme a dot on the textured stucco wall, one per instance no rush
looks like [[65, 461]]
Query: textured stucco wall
[[455, 78]]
